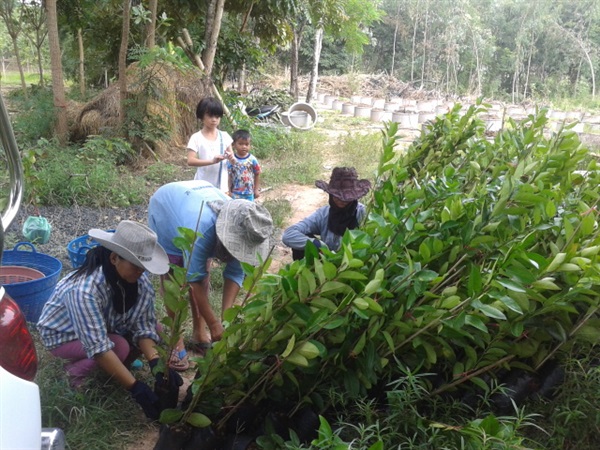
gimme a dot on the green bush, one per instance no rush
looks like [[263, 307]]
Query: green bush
[[478, 257], [88, 176], [161, 173], [36, 115]]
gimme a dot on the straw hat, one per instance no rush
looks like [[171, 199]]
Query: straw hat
[[344, 184], [136, 243], [244, 228]]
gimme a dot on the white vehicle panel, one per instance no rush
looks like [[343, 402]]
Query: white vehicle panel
[[20, 413]]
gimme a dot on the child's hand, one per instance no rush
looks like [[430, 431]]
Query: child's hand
[[229, 155], [256, 193]]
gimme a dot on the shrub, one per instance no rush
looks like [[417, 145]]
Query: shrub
[[88, 176], [36, 115], [478, 258]]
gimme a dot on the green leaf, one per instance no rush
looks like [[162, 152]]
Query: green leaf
[[426, 275], [334, 287], [550, 208], [372, 286], [556, 262], [424, 252], [376, 446], [474, 286], [330, 270], [510, 285], [489, 310], [170, 415], [373, 305], [388, 338], [480, 383], [290, 346], [323, 302], [511, 304], [476, 322], [351, 275], [198, 420], [334, 323], [319, 271], [360, 344]]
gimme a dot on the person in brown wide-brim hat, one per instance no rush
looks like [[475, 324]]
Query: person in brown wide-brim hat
[[326, 226]]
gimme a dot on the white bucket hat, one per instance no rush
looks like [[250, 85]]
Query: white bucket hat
[[244, 228], [136, 243]]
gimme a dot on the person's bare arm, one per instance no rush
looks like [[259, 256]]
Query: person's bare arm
[[202, 306], [148, 348], [110, 363], [256, 185], [194, 161]]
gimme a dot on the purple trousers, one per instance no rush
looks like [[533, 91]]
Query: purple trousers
[[79, 366]]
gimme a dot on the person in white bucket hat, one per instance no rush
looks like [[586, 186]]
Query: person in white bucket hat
[[229, 230], [102, 314]]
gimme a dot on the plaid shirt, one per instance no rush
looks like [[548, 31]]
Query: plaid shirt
[[81, 309]]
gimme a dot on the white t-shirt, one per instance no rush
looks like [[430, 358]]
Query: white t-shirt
[[215, 174]]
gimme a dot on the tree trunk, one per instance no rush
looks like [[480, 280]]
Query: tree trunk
[[38, 50], [81, 63], [151, 27], [294, 64], [208, 24], [58, 88], [242, 79], [123, 66], [20, 66], [211, 45], [413, 51], [297, 32], [528, 71], [314, 74], [424, 44], [394, 40], [515, 80]]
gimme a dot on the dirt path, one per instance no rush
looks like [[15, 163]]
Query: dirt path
[[304, 200]]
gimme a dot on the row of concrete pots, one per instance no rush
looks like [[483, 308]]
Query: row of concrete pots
[[411, 113]]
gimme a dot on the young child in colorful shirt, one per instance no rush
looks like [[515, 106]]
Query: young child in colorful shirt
[[243, 169]]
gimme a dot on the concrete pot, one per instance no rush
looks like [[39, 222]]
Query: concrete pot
[[328, 101], [348, 109], [425, 116], [362, 111], [406, 119], [337, 105], [378, 103], [302, 116], [379, 115]]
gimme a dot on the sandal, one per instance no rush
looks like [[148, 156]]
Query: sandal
[[179, 360], [200, 347]]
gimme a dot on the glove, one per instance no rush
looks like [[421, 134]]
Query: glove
[[167, 391], [147, 399], [317, 243], [175, 379]]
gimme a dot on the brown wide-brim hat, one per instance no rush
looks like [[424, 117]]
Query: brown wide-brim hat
[[344, 184]]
